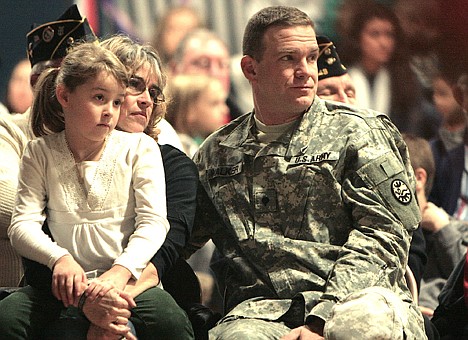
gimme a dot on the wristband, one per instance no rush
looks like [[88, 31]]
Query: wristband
[[82, 301]]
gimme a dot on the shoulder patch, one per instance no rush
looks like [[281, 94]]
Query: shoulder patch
[[401, 191]]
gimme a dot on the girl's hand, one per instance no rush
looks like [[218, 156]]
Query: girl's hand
[[68, 280]]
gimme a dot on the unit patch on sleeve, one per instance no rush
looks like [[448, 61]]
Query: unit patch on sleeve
[[401, 191]]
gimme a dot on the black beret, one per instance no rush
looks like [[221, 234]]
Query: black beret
[[51, 40], [328, 63]]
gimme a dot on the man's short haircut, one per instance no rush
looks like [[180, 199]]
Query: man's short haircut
[[421, 157], [252, 44]]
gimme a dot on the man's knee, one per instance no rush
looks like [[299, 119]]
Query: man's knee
[[252, 329], [376, 313]]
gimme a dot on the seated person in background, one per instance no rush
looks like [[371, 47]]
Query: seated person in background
[[446, 238], [202, 51], [171, 28], [196, 107], [310, 203], [450, 189], [334, 82], [452, 129], [19, 94], [12, 144]]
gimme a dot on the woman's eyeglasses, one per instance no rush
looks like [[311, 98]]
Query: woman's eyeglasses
[[137, 85]]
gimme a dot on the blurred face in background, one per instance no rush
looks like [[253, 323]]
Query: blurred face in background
[[461, 92], [177, 25], [377, 42], [19, 92], [445, 102], [209, 112], [210, 58]]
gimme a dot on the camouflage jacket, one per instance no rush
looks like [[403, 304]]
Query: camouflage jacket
[[326, 210]]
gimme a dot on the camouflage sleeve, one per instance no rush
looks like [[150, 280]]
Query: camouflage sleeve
[[205, 224], [378, 187]]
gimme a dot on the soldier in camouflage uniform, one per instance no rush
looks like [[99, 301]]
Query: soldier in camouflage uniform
[[310, 203]]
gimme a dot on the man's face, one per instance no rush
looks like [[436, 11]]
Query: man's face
[[339, 88], [206, 57], [284, 81]]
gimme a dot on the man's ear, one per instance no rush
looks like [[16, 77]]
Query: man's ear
[[248, 66], [421, 178], [62, 94]]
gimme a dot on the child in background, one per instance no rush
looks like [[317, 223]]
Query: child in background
[[452, 129], [196, 108], [105, 206]]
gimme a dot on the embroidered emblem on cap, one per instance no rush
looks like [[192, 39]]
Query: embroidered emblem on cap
[[401, 191], [48, 34]]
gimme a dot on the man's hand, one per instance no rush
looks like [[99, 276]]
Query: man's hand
[[68, 280], [311, 331], [110, 312], [149, 278], [97, 333], [302, 333]]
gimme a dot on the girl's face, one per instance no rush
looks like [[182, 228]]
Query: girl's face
[[377, 41], [92, 109], [137, 109], [209, 112]]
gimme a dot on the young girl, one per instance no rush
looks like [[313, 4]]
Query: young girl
[[102, 192]]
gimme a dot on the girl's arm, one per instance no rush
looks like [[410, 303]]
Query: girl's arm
[[25, 231], [151, 224]]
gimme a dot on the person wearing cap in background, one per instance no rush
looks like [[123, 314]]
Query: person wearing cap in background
[[334, 82], [47, 45]]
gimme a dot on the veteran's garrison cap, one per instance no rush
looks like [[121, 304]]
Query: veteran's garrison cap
[[51, 40], [328, 63]]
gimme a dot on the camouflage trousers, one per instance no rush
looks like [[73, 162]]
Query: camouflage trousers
[[372, 313]]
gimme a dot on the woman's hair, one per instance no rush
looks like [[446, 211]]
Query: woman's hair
[[182, 92], [252, 44], [404, 84], [83, 62], [360, 12], [135, 56]]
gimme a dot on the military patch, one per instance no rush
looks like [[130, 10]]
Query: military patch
[[401, 191], [224, 171], [265, 200], [317, 158], [48, 34]]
